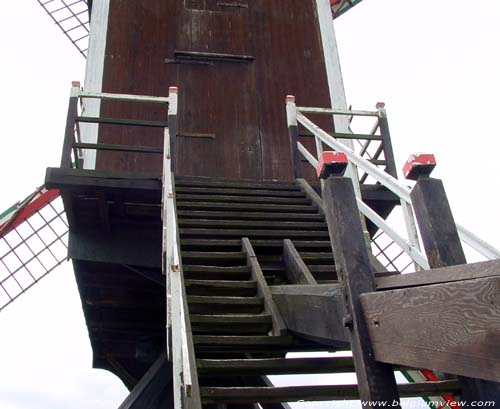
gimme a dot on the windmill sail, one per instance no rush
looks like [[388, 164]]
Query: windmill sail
[[33, 242]]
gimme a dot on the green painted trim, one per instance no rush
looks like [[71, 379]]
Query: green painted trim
[[409, 378]]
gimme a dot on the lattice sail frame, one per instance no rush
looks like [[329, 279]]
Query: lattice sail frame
[[72, 17], [33, 242]]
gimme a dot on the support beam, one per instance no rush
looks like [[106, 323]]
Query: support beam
[[279, 327], [443, 248], [452, 327], [296, 270], [298, 303], [375, 379], [154, 390]]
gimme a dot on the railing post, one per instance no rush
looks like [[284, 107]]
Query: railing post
[[376, 381], [293, 135], [69, 134], [386, 140], [443, 247], [172, 122]]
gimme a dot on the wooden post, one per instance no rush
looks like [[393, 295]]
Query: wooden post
[[293, 135], [386, 140], [69, 134], [376, 381], [443, 248], [172, 122]]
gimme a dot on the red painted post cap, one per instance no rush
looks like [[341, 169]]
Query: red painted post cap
[[290, 98], [331, 163], [379, 105], [75, 83], [419, 165], [173, 89]]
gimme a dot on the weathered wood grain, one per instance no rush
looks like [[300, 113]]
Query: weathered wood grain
[[452, 327]]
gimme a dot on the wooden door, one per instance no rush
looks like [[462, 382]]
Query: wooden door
[[218, 132]]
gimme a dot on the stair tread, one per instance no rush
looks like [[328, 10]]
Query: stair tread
[[252, 223], [275, 366], [214, 254], [255, 243], [252, 233], [244, 340], [231, 318], [239, 199], [221, 283], [265, 394], [206, 299], [210, 269], [237, 184], [213, 214], [242, 192], [183, 205]]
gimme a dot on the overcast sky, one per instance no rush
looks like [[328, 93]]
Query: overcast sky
[[435, 64]]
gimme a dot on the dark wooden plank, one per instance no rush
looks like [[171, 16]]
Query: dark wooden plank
[[252, 233], [183, 204], [279, 327], [309, 225], [296, 270], [314, 392], [118, 148], [274, 366], [298, 303], [121, 121], [437, 226], [255, 216], [376, 380], [461, 272], [240, 192], [149, 393], [214, 182], [241, 199], [460, 320], [69, 133]]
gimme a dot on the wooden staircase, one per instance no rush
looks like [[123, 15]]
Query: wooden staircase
[[231, 235]]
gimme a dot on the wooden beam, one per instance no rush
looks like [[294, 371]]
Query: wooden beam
[[279, 327], [443, 248], [452, 327], [154, 390], [437, 226], [441, 275], [298, 303], [375, 379], [296, 270]]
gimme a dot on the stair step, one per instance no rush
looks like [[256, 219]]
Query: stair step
[[208, 183], [268, 394], [220, 287], [279, 208], [252, 343], [241, 199], [316, 258], [199, 304], [202, 272], [252, 224], [323, 272], [231, 324], [264, 244], [274, 366], [253, 233], [275, 216], [239, 192], [213, 255]]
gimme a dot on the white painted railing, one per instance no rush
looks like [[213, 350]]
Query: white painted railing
[[409, 244], [179, 343]]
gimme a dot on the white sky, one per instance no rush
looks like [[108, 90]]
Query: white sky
[[434, 63]]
